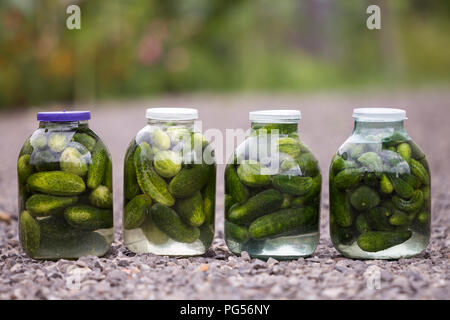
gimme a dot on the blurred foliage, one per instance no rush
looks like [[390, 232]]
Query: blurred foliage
[[144, 47]]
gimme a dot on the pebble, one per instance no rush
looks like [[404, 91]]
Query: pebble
[[245, 256], [271, 262]]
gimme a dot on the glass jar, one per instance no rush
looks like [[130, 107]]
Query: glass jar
[[380, 200], [169, 186], [272, 190], [65, 189]]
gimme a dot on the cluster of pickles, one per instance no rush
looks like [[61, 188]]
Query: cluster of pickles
[[379, 193], [65, 193], [263, 204], [169, 189]]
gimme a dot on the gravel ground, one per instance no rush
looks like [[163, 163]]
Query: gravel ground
[[219, 274]]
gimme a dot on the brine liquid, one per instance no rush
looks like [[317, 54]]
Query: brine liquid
[[96, 243], [280, 248], [410, 248]]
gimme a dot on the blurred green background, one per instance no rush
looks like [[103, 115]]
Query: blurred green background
[[148, 47]]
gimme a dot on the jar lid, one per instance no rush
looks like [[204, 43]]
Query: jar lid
[[64, 116], [171, 114], [379, 114], [275, 116]]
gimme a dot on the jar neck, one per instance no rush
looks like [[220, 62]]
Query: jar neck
[[181, 123], [362, 126], [269, 128], [64, 124]]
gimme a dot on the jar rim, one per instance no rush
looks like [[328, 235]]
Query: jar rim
[[63, 116], [171, 114], [379, 114], [275, 116]]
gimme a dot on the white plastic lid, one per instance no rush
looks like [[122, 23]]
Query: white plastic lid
[[171, 114], [275, 116], [379, 114]]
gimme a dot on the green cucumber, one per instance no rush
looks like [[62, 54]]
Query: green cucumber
[[348, 178], [167, 220], [108, 180], [131, 186], [419, 171], [209, 200], [234, 186], [294, 185], [308, 165], [87, 218], [101, 197], [416, 153], [236, 232], [85, 139], [378, 218], [362, 225], [72, 161], [411, 205], [250, 173], [264, 202], [340, 208], [287, 201], [374, 241], [149, 181], [29, 233], [56, 183], [282, 222], [24, 168], [364, 198], [289, 146], [190, 180], [136, 211], [42, 205], [371, 161], [386, 186], [97, 168], [412, 180], [58, 141], [401, 187], [229, 202], [399, 218], [191, 210], [404, 150]]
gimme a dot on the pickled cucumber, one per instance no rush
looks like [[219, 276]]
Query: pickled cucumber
[[136, 211], [97, 169], [191, 210], [167, 220], [24, 168], [282, 222], [30, 233], [42, 205], [374, 241], [149, 181], [88, 218], [235, 187], [56, 183], [264, 202]]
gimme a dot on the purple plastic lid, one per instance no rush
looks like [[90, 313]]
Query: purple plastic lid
[[64, 116]]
